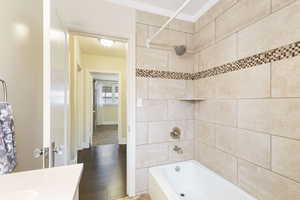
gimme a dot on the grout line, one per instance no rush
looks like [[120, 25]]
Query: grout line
[[271, 79], [242, 159], [229, 99], [283, 7], [281, 53], [271, 147], [271, 6], [245, 129]]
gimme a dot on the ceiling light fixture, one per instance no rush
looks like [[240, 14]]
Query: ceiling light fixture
[[106, 43]]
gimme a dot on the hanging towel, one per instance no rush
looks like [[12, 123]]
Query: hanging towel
[[7, 139]]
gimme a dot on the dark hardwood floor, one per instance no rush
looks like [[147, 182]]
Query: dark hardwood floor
[[104, 175]]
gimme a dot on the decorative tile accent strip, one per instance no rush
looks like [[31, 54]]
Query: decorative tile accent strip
[[273, 55], [147, 73]]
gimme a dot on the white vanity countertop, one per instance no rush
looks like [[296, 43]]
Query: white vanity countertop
[[59, 183]]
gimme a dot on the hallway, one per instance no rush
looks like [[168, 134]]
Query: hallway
[[105, 134], [104, 175]]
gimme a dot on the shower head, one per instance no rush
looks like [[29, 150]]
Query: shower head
[[180, 50]]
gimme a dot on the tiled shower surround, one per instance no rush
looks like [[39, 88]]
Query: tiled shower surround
[[244, 60]]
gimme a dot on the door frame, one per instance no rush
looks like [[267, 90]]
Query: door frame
[[131, 103], [120, 139], [48, 33]]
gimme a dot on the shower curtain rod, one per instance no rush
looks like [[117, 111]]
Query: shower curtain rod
[[149, 40]]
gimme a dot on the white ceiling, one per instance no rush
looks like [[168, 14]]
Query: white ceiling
[[91, 45], [192, 12]]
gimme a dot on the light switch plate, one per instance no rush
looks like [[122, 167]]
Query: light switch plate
[[139, 102]]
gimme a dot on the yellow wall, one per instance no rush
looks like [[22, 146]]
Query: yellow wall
[[95, 63], [107, 114]]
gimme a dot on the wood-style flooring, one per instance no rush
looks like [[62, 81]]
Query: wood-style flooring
[[105, 134], [104, 175]]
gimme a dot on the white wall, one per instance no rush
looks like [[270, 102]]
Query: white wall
[[98, 17], [21, 66]]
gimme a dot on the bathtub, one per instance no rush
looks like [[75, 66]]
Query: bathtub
[[190, 180]]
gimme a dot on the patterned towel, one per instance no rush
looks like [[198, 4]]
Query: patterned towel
[[7, 140]]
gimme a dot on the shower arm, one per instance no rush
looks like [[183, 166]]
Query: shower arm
[[149, 40]]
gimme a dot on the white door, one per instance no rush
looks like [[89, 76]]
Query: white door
[[55, 87], [21, 67]]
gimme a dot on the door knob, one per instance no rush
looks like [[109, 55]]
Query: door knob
[[40, 152], [58, 150]]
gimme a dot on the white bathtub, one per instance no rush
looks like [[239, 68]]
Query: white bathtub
[[192, 182]]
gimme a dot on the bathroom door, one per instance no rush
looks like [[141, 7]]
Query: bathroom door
[[56, 113], [21, 66]]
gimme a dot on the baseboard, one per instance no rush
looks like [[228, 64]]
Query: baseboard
[[85, 145], [108, 123], [122, 140]]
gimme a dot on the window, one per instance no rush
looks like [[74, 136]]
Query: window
[[109, 94]]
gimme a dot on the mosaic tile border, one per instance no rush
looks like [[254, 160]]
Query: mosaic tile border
[[269, 56], [148, 73]]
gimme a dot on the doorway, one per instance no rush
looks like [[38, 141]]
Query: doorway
[[99, 91], [106, 109]]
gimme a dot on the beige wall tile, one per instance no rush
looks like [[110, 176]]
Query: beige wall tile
[[275, 116], [226, 139], [206, 87], [142, 88], [189, 133], [179, 110], [255, 82], [228, 85], [226, 112], [183, 63], [188, 151], [160, 132], [241, 15], [196, 62], [150, 109], [205, 111], [266, 34], [150, 19], [278, 4], [152, 58], [168, 37], [189, 88], [247, 83], [141, 180], [264, 184], [205, 132], [220, 162], [285, 78], [141, 133], [286, 157], [254, 147], [189, 42], [220, 53], [205, 36], [212, 13], [166, 88], [141, 34], [151, 155], [183, 26]]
